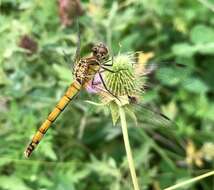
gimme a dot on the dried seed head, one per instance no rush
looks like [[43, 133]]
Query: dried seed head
[[28, 43], [68, 10]]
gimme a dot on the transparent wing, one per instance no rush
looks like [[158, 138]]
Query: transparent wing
[[157, 125], [167, 73], [149, 117], [72, 60], [77, 53]]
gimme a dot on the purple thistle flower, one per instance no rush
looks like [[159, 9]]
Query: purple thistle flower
[[95, 87]]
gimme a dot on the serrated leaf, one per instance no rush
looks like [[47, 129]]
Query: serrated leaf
[[114, 112]]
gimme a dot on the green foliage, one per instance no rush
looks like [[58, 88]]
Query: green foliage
[[83, 150]]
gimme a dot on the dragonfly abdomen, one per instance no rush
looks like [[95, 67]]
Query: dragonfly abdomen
[[84, 71], [73, 89]]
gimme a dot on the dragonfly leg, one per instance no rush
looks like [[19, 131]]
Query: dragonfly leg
[[104, 66], [111, 64], [102, 71], [104, 63], [110, 70], [107, 69], [106, 88], [92, 82]]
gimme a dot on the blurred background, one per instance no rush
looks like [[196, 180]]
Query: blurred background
[[83, 150]]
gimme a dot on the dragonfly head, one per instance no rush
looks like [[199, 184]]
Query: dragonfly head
[[100, 51]]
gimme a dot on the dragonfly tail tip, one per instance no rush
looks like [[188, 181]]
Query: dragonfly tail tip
[[27, 153]]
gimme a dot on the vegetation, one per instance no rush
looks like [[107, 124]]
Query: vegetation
[[83, 149]]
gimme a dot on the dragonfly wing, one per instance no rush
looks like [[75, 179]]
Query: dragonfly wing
[[156, 124], [168, 73], [150, 117], [77, 53]]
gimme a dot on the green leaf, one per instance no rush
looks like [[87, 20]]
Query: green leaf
[[12, 183], [3, 77], [183, 49], [170, 76], [207, 48], [4, 161], [48, 151], [170, 110], [195, 85], [202, 34], [63, 73]]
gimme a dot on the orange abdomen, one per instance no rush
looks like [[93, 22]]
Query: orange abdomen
[[73, 89]]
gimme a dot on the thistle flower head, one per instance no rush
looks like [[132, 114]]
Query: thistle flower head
[[123, 84], [123, 81]]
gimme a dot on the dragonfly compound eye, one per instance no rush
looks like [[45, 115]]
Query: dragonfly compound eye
[[94, 50], [100, 51]]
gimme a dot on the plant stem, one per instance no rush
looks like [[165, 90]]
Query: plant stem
[[190, 181], [128, 148]]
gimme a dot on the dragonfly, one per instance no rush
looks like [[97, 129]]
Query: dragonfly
[[85, 70]]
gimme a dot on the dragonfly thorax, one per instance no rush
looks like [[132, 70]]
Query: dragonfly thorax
[[86, 69]]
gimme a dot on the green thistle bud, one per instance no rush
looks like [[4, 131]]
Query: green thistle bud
[[123, 82]]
